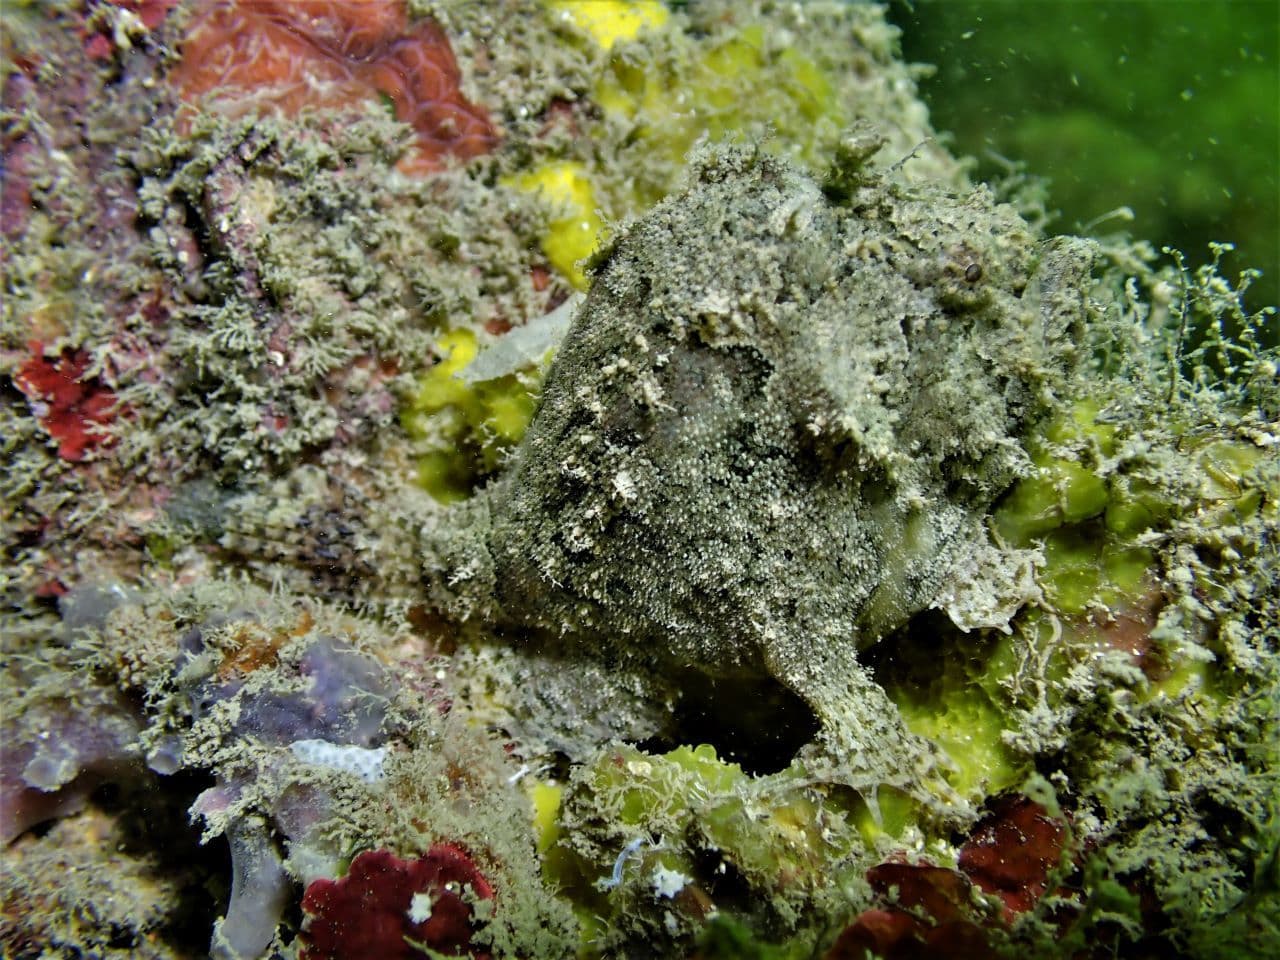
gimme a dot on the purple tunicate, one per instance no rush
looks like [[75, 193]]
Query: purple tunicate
[[260, 888], [331, 692], [343, 702], [64, 735], [350, 690]]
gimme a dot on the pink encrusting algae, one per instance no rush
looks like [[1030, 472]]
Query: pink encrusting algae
[[269, 56]]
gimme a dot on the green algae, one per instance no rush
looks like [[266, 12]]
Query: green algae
[[681, 829], [1164, 112], [469, 426]]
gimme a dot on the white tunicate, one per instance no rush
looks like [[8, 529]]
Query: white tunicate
[[420, 908], [363, 762], [522, 346]]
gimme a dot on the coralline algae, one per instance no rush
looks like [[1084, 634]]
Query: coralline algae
[[266, 55]]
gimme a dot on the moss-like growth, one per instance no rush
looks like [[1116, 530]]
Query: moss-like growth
[[686, 830]]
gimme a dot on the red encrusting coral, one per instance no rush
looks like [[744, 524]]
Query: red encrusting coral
[[274, 55], [386, 905], [1011, 851], [931, 912], [72, 408]]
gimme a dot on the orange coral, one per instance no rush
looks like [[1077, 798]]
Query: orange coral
[[249, 56], [257, 648]]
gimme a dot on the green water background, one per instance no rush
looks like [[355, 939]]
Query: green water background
[[1168, 107]]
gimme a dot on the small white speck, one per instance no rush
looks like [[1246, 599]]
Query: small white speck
[[667, 883], [420, 908], [624, 485]]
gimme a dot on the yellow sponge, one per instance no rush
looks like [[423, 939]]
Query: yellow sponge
[[608, 21], [575, 229]]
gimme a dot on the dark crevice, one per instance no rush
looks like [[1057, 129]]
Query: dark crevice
[[153, 824], [756, 723]]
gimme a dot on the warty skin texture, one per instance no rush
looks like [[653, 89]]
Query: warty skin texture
[[774, 427]]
